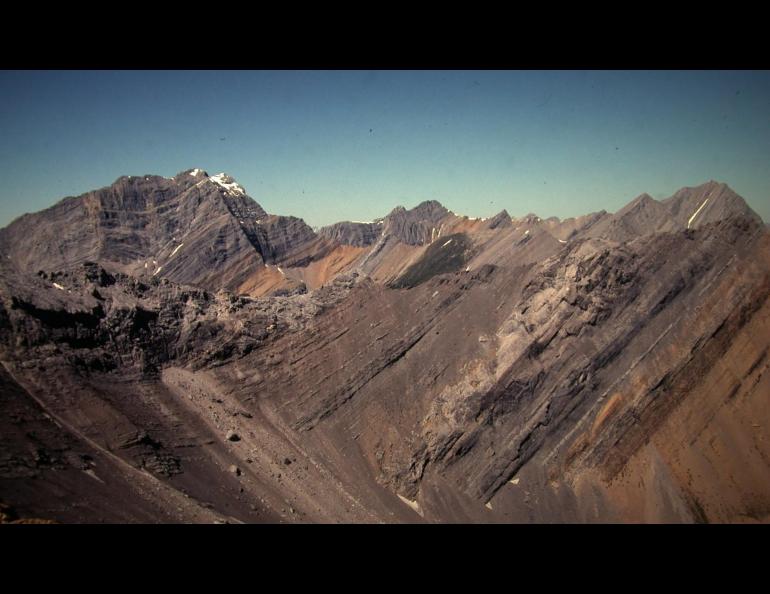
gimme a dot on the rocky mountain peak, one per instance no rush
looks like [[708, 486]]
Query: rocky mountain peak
[[500, 220], [354, 233], [167, 345], [415, 226], [641, 202], [707, 203], [196, 172], [431, 210], [644, 198], [227, 183]]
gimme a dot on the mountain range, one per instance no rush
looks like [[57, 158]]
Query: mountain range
[[173, 353]]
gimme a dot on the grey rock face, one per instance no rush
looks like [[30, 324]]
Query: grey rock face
[[288, 240], [193, 229], [707, 203], [688, 208], [415, 226], [105, 321], [448, 255], [514, 371], [353, 233], [500, 221]]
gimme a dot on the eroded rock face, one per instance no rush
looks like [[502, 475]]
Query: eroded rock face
[[289, 241], [193, 229], [500, 220], [448, 255], [605, 368], [689, 208], [353, 233], [569, 341], [415, 226], [104, 321]]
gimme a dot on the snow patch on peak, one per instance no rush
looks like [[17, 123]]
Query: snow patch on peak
[[228, 183], [196, 172], [692, 218]]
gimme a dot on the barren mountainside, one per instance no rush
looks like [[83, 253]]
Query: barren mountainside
[[170, 352]]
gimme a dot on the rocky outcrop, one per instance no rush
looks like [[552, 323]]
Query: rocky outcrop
[[688, 208], [450, 254], [603, 368], [193, 228], [103, 321], [486, 396], [289, 241], [707, 203], [416, 226], [500, 221], [353, 233], [586, 325]]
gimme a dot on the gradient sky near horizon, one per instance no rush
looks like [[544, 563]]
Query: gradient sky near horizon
[[351, 145]]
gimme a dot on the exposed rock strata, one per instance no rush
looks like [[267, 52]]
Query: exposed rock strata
[[605, 368]]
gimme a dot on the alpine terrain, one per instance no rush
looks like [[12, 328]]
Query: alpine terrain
[[170, 352]]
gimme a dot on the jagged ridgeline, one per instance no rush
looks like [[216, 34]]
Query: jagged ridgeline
[[171, 352]]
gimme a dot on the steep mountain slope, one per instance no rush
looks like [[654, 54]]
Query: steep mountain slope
[[191, 228], [353, 233], [687, 208], [606, 368]]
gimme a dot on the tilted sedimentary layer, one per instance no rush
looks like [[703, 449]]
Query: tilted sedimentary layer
[[424, 367]]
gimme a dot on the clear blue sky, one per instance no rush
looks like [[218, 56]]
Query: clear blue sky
[[328, 146]]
